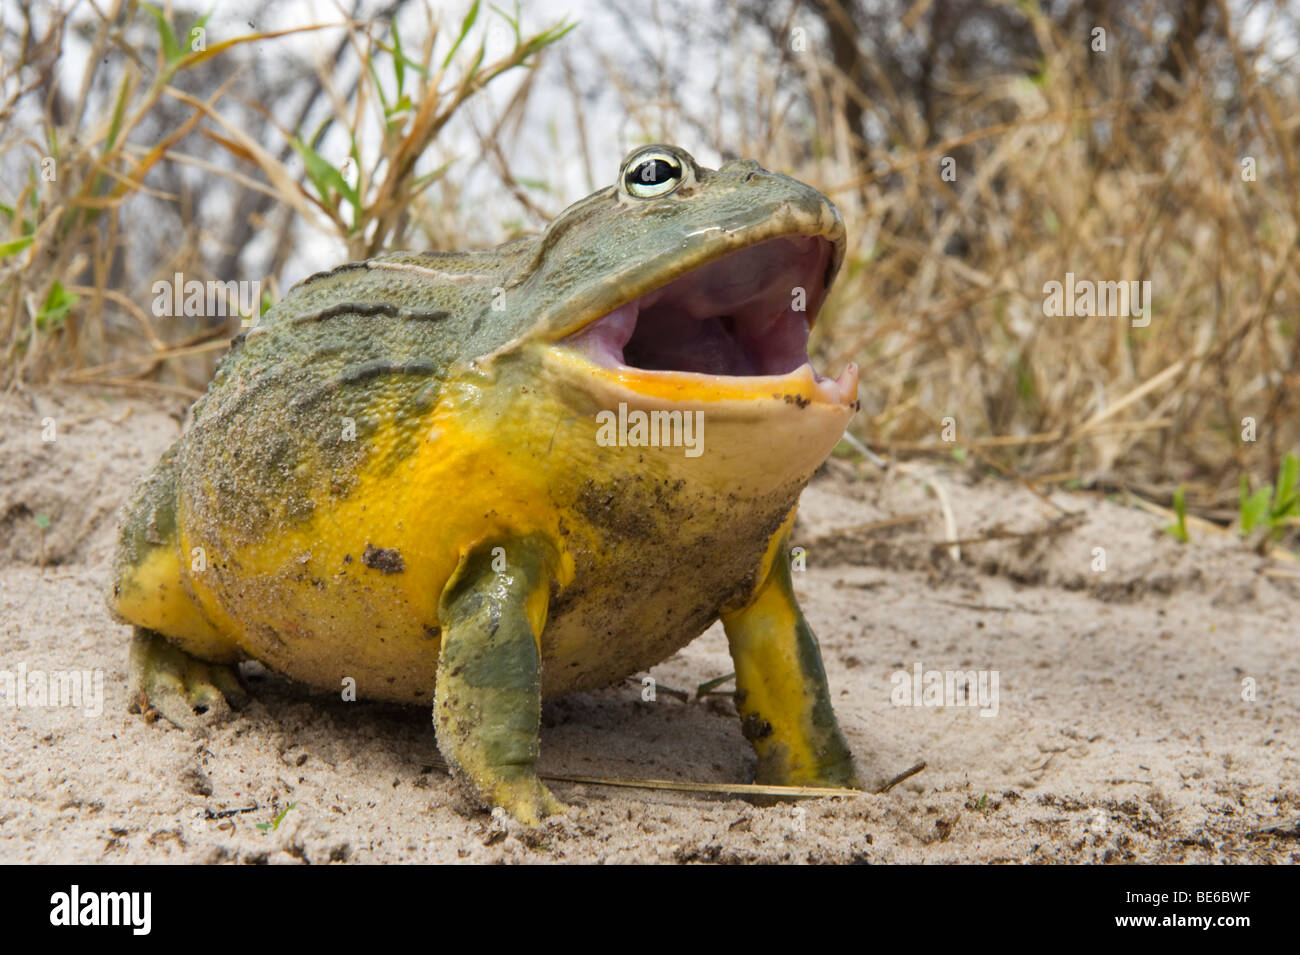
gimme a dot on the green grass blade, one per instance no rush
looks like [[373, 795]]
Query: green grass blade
[[465, 26], [14, 246], [1178, 529], [167, 36]]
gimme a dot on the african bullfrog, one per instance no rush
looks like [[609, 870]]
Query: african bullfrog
[[474, 480]]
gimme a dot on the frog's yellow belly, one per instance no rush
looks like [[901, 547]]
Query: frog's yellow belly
[[651, 543], [358, 600], [626, 609]]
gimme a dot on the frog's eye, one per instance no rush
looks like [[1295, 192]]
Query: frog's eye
[[652, 174]]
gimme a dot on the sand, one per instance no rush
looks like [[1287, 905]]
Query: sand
[[1124, 731]]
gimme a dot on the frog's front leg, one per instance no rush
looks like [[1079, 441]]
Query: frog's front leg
[[488, 703], [781, 691]]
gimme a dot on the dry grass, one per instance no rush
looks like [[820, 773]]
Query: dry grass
[[74, 265], [942, 298], [1076, 165]]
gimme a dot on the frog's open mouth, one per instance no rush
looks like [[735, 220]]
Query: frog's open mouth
[[745, 315]]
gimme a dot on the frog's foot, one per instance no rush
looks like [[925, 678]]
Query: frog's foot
[[188, 692], [779, 771], [488, 703], [526, 799], [781, 692]]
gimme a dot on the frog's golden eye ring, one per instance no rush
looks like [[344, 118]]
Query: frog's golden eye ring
[[652, 174]]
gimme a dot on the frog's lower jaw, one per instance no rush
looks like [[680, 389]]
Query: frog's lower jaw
[[748, 434]]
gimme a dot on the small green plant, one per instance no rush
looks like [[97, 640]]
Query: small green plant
[[58, 303], [1178, 528], [711, 686], [275, 824], [1272, 507], [979, 804], [43, 523]]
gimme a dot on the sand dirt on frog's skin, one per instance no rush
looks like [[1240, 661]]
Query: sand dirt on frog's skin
[[1121, 733]]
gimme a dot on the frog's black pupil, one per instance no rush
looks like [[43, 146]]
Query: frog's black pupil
[[654, 172]]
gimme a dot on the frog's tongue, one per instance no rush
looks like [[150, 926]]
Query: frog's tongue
[[746, 314]]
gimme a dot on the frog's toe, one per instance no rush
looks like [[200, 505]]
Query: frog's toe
[[221, 682], [189, 693], [528, 800]]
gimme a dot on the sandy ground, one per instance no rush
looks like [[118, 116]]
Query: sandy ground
[[1121, 731]]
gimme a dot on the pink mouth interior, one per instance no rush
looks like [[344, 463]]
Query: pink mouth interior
[[736, 316]]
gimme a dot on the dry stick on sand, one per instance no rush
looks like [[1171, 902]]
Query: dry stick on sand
[[888, 523], [1054, 527], [945, 507], [722, 789], [737, 789], [1020, 479]]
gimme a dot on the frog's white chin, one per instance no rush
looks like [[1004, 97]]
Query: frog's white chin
[[751, 436]]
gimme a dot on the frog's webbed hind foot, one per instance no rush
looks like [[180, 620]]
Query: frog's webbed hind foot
[[188, 692]]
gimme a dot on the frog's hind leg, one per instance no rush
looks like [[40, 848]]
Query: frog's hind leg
[[488, 701], [151, 591], [781, 691], [186, 691]]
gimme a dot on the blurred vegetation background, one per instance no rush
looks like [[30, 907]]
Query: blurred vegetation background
[[141, 140]]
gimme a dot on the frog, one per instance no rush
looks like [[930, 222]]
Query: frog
[[473, 481]]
